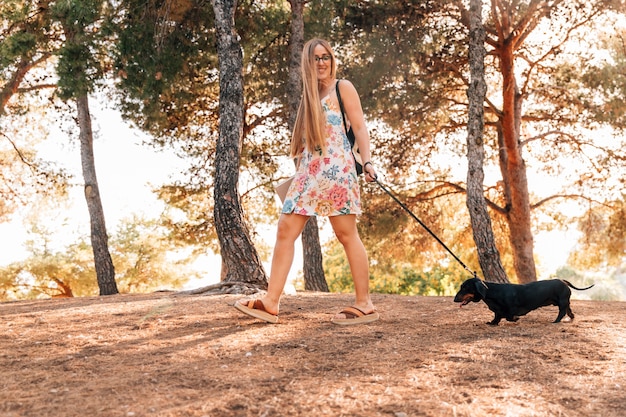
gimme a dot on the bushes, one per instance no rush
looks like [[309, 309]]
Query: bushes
[[394, 279]]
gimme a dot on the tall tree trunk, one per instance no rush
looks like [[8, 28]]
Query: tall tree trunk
[[313, 269], [105, 271], [75, 84], [240, 260], [296, 43], [488, 255], [513, 170]]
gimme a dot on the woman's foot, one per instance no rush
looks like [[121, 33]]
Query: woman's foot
[[257, 309], [354, 315]]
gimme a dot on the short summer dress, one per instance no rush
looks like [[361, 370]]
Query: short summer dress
[[326, 184]]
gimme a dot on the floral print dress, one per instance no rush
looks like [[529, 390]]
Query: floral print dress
[[326, 184]]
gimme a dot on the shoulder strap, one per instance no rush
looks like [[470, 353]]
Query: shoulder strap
[[343, 116]]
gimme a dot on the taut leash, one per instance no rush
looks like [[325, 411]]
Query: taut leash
[[385, 189]]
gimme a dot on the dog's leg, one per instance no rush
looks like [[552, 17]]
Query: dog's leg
[[562, 312], [570, 313], [495, 320]]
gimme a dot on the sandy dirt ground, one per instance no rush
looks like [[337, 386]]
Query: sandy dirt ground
[[168, 354]]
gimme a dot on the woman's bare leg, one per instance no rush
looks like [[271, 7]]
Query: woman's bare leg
[[289, 227], [345, 229]]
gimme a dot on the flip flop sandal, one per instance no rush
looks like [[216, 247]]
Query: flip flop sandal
[[355, 316], [256, 309]]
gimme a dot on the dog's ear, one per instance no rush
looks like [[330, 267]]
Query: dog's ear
[[481, 287]]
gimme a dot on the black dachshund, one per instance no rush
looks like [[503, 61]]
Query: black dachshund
[[509, 301]]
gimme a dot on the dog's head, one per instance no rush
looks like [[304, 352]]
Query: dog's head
[[473, 289]]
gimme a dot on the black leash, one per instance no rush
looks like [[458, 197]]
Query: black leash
[[423, 225]]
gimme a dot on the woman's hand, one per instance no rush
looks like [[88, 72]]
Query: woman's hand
[[370, 172]]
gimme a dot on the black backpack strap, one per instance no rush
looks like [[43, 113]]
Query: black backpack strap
[[343, 116]]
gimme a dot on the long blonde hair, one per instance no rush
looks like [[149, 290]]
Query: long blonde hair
[[310, 118]]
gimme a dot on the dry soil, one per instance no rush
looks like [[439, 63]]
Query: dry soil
[[167, 354]]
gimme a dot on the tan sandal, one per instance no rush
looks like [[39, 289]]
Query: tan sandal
[[255, 308], [355, 315]]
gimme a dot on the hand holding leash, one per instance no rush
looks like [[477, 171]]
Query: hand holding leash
[[370, 172]]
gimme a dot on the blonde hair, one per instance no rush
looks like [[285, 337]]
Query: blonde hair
[[310, 118]]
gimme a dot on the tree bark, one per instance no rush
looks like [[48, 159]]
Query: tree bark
[[488, 254], [513, 169], [240, 260], [105, 271], [296, 43], [313, 269]]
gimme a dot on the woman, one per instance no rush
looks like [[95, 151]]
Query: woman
[[325, 184]]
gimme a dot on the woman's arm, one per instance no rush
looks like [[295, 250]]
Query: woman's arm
[[354, 113]]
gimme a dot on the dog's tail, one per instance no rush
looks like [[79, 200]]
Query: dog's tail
[[576, 288]]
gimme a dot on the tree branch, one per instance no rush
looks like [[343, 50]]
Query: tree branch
[[445, 188], [536, 10], [35, 88], [568, 197], [12, 86], [19, 153], [566, 37]]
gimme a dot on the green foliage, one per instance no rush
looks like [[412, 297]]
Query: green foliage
[[15, 46], [399, 60], [406, 279], [13, 43], [393, 276], [78, 67], [77, 70], [166, 64], [391, 235], [264, 41], [336, 269], [168, 85], [603, 240], [608, 77], [167, 79], [49, 273], [25, 39], [145, 260], [76, 15], [190, 224]]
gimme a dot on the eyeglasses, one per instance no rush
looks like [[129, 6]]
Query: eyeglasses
[[324, 58]]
